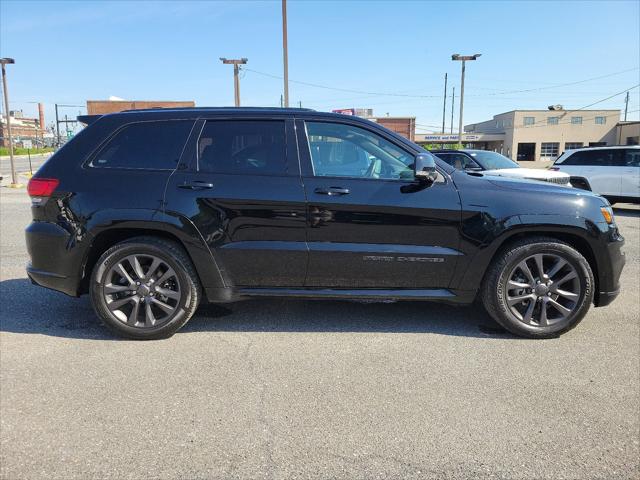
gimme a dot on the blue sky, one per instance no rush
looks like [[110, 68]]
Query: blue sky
[[68, 52]]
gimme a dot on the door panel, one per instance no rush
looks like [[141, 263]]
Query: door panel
[[374, 232], [379, 237], [631, 176], [249, 212]]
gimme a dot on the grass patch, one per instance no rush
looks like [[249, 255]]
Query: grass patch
[[4, 151]]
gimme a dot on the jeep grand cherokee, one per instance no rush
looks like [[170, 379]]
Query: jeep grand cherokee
[[152, 212]]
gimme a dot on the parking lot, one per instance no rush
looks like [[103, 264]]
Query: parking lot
[[313, 389]]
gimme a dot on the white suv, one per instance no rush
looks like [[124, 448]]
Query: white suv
[[613, 172]]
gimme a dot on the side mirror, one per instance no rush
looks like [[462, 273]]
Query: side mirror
[[425, 168]]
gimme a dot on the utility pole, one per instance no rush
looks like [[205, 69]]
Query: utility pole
[[4, 62], [463, 59], [57, 128], [285, 53], [236, 79], [444, 103], [453, 103], [626, 106]]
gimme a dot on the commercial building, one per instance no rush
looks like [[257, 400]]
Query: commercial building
[[542, 135], [628, 133], [102, 107]]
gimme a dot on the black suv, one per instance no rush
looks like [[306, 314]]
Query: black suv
[[152, 212]]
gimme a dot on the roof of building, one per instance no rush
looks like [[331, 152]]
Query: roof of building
[[566, 110]]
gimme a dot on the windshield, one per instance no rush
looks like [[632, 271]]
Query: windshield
[[492, 160]]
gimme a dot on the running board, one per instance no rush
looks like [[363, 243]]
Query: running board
[[380, 294]]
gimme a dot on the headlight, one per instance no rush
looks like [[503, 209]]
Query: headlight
[[607, 214]]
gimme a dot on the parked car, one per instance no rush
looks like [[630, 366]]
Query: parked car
[[613, 172], [152, 212], [493, 163]]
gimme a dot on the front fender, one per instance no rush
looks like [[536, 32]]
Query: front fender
[[565, 226]]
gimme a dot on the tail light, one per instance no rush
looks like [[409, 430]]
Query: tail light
[[42, 187]]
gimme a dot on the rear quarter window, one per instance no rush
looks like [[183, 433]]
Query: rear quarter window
[[153, 145]]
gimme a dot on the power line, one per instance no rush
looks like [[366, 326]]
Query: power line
[[390, 94]]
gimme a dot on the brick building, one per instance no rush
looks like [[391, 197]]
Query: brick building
[[24, 130], [102, 107]]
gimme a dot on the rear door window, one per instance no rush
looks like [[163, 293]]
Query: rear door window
[[145, 145], [594, 158], [632, 158], [248, 147]]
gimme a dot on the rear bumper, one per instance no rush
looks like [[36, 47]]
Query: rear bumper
[[56, 260], [53, 281]]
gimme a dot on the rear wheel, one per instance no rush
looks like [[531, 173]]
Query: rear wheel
[[145, 288], [538, 288]]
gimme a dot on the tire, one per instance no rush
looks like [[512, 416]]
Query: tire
[[139, 303], [518, 308]]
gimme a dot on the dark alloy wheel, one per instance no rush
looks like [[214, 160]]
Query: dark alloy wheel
[[543, 289], [142, 291], [538, 287], [145, 288]]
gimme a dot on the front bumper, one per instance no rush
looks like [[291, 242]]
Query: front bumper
[[611, 260]]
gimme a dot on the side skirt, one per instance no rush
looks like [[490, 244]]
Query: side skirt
[[226, 295]]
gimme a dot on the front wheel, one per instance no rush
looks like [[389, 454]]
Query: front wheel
[[145, 288], [538, 288]]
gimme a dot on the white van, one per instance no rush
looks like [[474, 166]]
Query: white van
[[613, 172]]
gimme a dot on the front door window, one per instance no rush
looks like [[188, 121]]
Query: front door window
[[340, 150]]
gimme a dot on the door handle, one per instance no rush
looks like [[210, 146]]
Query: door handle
[[196, 185], [332, 191]]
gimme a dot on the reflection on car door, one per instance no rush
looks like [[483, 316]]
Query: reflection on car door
[[245, 196], [599, 167], [370, 224], [631, 173]]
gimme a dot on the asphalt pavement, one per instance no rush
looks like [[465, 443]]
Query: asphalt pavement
[[313, 389], [23, 164]]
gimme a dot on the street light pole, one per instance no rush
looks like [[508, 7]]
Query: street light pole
[[463, 59], [285, 53], [4, 62], [444, 103], [236, 78]]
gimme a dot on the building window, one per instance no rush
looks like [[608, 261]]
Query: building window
[[572, 145], [549, 150], [552, 120], [576, 120], [529, 121], [601, 120]]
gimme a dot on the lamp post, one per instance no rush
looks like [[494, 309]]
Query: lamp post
[[463, 59], [236, 79], [285, 53], [8, 61]]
